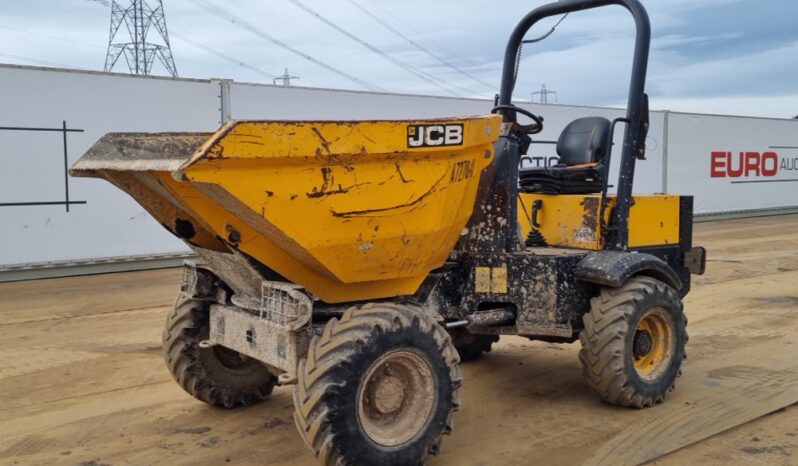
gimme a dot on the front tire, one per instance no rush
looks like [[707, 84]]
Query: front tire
[[218, 376], [634, 342], [379, 386]]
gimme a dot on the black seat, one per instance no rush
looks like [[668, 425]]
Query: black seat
[[582, 147]]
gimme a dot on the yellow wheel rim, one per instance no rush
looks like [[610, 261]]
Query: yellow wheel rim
[[653, 344]]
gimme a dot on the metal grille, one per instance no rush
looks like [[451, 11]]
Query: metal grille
[[284, 304], [189, 282]]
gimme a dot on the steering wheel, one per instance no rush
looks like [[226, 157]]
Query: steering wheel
[[537, 120]]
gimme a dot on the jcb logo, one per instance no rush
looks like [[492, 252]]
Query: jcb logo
[[434, 135]]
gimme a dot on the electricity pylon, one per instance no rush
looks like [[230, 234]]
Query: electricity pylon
[[138, 17]]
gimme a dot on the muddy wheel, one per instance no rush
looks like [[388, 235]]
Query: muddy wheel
[[379, 386], [470, 346], [216, 375], [634, 342]]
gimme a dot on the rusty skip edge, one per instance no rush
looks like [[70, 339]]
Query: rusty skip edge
[[139, 152]]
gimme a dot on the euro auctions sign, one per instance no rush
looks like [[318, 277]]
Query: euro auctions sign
[[753, 166], [733, 164]]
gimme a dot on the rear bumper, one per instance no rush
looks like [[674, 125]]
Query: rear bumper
[[275, 345], [274, 329]]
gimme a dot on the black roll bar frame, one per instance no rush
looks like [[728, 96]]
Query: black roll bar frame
[[637, 104]]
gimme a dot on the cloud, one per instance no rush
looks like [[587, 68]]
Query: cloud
[[702, 52], [782, 106], [761, 73]]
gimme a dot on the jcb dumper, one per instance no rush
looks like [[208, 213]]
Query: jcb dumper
[[361, 261]]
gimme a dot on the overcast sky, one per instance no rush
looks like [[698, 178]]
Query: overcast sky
[[708, 56]]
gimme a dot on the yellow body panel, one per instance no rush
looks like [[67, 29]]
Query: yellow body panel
[[571, 220], [654, 221], [346, 209]]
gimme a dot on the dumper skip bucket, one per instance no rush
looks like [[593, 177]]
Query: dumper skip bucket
[[349, 210]]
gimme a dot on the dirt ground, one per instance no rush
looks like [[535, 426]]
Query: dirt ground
[[82, 381]]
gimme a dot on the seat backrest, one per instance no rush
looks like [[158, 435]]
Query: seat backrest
[[584, 141]]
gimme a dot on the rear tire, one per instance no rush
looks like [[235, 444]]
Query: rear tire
[[634, 342], [471, 346], [216, 375], [379, 386]]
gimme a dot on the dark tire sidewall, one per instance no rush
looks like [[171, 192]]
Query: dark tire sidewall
[[343, 418], [213, 382], [667, 300], [471, 346], [251, 374]]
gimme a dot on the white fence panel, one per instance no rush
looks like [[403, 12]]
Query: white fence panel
[[729, 163], [102, 221], [733, 164]]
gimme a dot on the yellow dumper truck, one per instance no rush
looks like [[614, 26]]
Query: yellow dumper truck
[[361, 261]]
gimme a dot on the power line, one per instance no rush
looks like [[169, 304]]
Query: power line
[[195, 44], [35, 60], [212, 8], [420, 47], [63, 39], [401, 64], [421, 34], [224, 56]]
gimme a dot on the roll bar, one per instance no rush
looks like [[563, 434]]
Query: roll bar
[[637, 109]]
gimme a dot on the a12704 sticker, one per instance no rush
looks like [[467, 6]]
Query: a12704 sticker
[[462, 171]]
